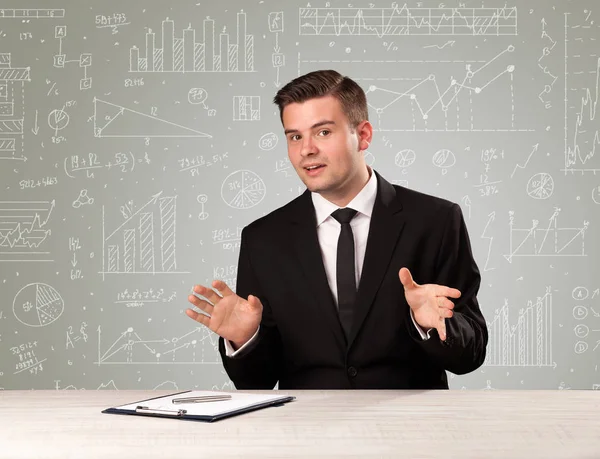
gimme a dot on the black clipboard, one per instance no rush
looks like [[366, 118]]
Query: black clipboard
[[184, 415]]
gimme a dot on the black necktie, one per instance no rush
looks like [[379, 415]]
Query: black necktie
[[346, 277]]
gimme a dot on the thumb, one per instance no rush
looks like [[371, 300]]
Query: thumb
[[254, 301], [406, 279]]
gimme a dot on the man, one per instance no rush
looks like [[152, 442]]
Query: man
[[327, 296]]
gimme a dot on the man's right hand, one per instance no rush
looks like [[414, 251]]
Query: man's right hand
[[231, 316]]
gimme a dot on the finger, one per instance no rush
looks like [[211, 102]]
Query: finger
[[445, 313], [406, 279], [201, 304], [198, 317], [441, 328], [206, 292], [222, 288], [448, 292], [444, 302]]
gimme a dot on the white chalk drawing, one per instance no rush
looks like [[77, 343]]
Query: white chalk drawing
[[202, 199], [186, 54], [528, 342], [399, 21], [111, 120], [31, 13], [243, 189], [518, 166], [548, 241], [444, 159], [246, 108], [83, 199], [268, 141], [197, 96], [277, 57], [199, 346], [145, 243], [490, 239], [547, 51], [540, 186], [596, 194], [582, 86], [60, 59], [37, 305], [405, 158], [58, 120], [12, 109], [23, 231]]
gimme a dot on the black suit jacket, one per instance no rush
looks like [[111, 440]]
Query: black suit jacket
[[301, 343]]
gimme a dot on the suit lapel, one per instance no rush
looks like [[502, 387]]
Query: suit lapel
[[386, 225], [306, 245]]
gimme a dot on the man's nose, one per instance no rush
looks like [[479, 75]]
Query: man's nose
[[308, 146]]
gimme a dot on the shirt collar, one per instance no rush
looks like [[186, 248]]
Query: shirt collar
[[363, 202]]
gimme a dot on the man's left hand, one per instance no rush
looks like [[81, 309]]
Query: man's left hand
[[429, 302]]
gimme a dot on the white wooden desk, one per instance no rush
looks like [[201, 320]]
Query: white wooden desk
[[321, 424]]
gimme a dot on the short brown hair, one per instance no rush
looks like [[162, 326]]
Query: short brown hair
[[321, 83]]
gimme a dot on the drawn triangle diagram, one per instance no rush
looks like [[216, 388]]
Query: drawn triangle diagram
[[111, 120]]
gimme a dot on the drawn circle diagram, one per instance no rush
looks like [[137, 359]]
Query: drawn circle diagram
[[268, 141], [57, 120], [581, 331], [405, 158], [540, 186], [38, 305], [580, 312], [197, 96], [243, 190], [444, 158], [580, 293]]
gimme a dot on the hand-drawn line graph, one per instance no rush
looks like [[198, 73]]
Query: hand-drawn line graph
[[455, 98], [23, 230], [32, 13], [186, 55], [408, 21], [12, 108], [145, 242], [111, 120], [528, 343], [551, 241], [60, 59], [582, 139], [199, 346], [38, 305]]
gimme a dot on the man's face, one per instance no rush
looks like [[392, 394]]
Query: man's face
[[318, 134]]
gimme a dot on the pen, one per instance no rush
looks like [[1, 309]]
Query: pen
[[204, 398]]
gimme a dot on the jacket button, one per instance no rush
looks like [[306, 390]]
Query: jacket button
[[352, 372]]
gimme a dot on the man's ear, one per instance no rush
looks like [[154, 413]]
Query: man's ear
[[364, 131]]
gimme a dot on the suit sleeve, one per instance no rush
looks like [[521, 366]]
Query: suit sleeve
[[258, 365], [464, 349]]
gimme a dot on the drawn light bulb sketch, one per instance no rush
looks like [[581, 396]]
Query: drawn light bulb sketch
[[37, 305], [540, 186], [243, 190]]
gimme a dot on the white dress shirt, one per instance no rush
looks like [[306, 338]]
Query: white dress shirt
[[328, 232]]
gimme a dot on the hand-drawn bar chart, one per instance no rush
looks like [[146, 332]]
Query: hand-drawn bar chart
[[145, 242], [408, 21], [168, 53], [528, 342]]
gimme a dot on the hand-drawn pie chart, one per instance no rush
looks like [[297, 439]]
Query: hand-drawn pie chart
[[38, 305], [243, 190]]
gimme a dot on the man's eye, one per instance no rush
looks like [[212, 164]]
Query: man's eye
[[325, 132], [294, 137]]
